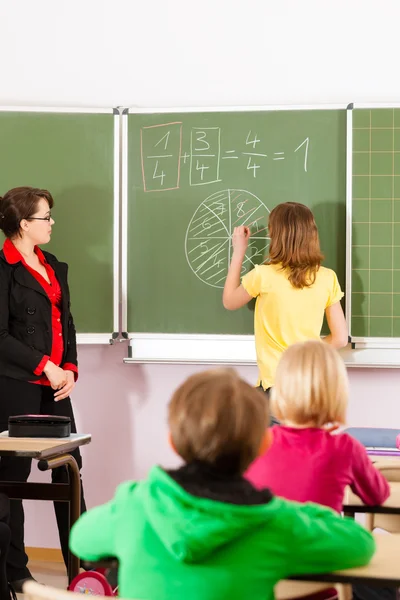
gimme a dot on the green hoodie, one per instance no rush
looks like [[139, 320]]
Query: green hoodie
[[172, 545]]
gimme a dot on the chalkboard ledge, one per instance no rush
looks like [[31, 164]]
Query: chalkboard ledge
[[95, 338], [378, 358], [192, 349], [233, 350]]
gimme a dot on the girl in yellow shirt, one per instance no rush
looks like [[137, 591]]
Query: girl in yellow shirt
[[293, 290]]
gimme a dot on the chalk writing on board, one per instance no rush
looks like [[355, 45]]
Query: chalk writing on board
[[305, 144], [254, 163], [163, 159], [205, 151], [160, 149], [208, 240]]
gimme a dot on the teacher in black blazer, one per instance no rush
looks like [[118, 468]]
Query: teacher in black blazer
[[38, 359]]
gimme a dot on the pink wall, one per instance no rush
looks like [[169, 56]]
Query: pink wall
[[124, 408]]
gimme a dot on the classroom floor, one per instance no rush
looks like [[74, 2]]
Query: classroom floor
[[49, 573]]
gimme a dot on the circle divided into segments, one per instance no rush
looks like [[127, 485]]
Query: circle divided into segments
[[208, 244]]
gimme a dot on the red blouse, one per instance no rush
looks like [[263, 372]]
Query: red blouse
[[53, 291]]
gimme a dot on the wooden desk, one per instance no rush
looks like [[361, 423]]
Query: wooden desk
[[41, 448], [50, 453], [383, 570], [353, 504]]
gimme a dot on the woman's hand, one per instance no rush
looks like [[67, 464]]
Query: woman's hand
[[240, 239], [65, 391], [56, 375]]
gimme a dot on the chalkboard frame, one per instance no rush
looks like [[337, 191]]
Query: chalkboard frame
[[97, 338], [387, 359], [184, 348]]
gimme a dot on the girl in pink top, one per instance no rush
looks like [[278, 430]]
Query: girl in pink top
[[305, 461]]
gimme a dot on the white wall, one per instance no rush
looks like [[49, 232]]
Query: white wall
[[176, 53]]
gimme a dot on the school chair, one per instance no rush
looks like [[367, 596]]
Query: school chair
[[285, 590], [35, 591], [295, 590], [390, 523]]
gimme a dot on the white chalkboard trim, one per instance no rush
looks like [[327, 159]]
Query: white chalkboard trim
[[124, 223], [192, 349], [376, 343], [232, 350], [124, 171], [371, 358], [116, 227], [95, 338], [349, 211], [388, 348], [207, 109], [58, 109], [376, 105]]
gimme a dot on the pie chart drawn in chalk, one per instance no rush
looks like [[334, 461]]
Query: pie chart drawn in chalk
[[208, 241]]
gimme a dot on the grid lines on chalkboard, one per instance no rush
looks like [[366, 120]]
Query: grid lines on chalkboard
[[376, 223]]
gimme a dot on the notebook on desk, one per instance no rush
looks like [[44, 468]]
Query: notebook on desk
[[376, 438], [383, 451]]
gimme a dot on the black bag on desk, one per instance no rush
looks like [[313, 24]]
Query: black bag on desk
[[39, 426]]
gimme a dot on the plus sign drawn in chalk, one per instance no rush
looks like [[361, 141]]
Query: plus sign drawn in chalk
[[208, 241]]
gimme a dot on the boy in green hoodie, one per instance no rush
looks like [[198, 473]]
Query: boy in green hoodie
[[202, 532]]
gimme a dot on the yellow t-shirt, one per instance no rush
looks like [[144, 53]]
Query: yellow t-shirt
[[284, 314]]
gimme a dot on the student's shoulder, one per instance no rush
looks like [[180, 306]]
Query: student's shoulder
[[326, 278], [295, 518], [268, 270], [326, 273], [345, 446], [126, 491], [259, 272], [263, 268], [345, 440], [351, 445]]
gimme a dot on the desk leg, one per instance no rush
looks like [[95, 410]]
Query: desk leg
[[74, 513], [74, 500]]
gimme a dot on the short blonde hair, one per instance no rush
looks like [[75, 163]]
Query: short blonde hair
[[217, 418], [311, 385]]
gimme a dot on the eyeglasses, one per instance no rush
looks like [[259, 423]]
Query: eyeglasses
[[48, 219]]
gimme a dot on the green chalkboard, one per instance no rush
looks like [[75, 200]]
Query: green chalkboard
[[375, 249], [192, 177], [72, 155]]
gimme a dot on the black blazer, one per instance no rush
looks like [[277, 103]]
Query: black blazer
[[25, 319]]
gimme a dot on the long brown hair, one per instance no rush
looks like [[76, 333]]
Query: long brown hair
[[295, 242]]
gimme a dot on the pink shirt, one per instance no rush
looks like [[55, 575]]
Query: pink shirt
[[312, 465]]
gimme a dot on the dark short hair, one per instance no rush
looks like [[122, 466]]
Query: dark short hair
[[18, 204], [217, 418]]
